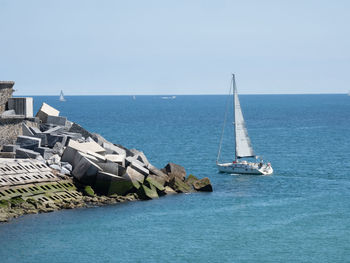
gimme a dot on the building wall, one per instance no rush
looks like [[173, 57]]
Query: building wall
[[6, 90]]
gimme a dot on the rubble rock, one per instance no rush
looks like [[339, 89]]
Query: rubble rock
[[203, 185], [175, 170]]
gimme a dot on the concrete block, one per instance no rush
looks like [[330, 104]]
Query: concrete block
[[85, 171], [98, 138], [22, 106], [55, 129], [41, 166], [26, 153], [158, 173], [35, 130], [86, 146], [109, 184], [112, 168], [116, 158], [27, 142], [26, 131], [52, 139], [134, 174], [10, 147], [45, 111], [4, 169], [43, 137], [45, 152], [112, 149], [7, 154], [99, 157], [56, 120], [78, 129], [68, 155]]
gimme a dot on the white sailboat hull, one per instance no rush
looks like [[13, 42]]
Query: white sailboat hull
[[245, 168]]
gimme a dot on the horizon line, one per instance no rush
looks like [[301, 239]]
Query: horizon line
[[206, 94]]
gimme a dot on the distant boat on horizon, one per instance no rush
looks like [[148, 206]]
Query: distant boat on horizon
[[169, 98], [62, 96], [134, 97]]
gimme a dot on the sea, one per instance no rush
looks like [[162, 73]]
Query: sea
[[301, 213]]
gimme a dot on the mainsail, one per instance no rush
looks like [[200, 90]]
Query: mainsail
[[62, 97], [243, 145]]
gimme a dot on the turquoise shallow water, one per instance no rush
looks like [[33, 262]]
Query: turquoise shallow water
[[300, 214]]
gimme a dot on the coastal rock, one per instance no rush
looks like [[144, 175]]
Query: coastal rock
[[175, 170], [45, 111], [109, 184], [203, 185], [179, 185]]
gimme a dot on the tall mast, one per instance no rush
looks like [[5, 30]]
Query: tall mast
[[234, 115]]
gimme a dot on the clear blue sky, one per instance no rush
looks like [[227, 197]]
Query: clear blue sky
[[175, 47]]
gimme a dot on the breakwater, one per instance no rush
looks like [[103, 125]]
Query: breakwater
[[72, 167]]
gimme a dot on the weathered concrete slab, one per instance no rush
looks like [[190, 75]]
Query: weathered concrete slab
[[112, 149], [57, 120], [26, 131], [155, 183], [85, 171], [26, 153], [52, 139], [86, 146], [7, 154], [140, 156], [45, 111], [27, 142], [116, 158], [109, 184], [10, 147], [98, 138], [43, 137], [99, 157], [78, 129], [112, 168], [137, 165], [35, 130], [53, 130], [145, 192], [45, 152], [175, 170], [134, 174], [158, 173]]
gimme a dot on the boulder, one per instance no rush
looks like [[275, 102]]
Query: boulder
[[156, 184], [191, 179], [175, 170], [45, 111], [203, 185]]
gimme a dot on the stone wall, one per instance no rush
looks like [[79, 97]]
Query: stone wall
[[6, 90], [10, 129]]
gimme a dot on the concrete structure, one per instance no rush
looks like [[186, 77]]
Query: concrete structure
[[45, 111], [57, 120], [22, 106], [6, 90]]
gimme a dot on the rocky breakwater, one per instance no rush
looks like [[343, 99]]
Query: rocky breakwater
[[82, 169]]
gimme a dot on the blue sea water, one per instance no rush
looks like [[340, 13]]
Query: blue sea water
[[299, 214]]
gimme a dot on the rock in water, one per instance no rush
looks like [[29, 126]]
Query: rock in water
[[175, 170], [180, 186], [203, 185]]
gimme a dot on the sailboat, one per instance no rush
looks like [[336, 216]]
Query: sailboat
[[243, 147], [62, 97]]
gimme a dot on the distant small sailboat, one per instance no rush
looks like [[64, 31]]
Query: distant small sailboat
[[134, 97], [243, 147], [169, 98], [62, 96]]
